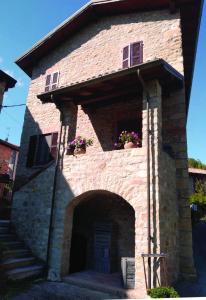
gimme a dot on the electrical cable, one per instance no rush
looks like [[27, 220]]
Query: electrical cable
[[8, 106]]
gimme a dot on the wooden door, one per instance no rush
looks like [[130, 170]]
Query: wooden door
[[102, 247]]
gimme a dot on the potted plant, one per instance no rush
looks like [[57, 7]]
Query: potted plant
[[128, 140], [79, 145]]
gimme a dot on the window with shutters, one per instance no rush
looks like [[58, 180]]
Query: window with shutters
[[132, 55], [42, 149], [52, 81]]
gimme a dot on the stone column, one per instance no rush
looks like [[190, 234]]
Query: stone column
[[63, 218], [155, 130], [174, 134]]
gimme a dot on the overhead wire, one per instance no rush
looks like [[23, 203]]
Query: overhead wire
[[8, 106]]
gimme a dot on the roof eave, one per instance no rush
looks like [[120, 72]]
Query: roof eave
[[10, 81], [148, 70]]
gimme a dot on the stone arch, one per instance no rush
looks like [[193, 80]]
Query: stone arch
[[69, 218]]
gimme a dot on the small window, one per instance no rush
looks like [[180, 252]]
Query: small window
[[52, 81], [132, 55], [42, 149]]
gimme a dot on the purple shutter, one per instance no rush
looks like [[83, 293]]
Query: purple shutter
[[136, 53], [54, 82], [48, 82], [125, 62], [54, 144]]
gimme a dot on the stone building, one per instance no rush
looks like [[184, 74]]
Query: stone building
[[6, 82], [8, 162], [112, 66]]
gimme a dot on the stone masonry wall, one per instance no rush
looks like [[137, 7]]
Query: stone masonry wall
[[95, 50], [31, 211], [121, 172], [169, 217], [174, 135]]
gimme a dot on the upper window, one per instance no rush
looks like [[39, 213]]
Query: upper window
[[132, 55], [52, 81], [42, 149]]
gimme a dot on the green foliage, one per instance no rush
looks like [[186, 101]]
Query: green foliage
[[163, 292], [196, 163], [199, 197]]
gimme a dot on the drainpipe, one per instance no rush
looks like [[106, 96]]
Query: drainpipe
[[148, 179], [54, 192]]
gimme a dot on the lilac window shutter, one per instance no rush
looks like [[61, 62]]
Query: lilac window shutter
[[55, 78], [136, 53], [48, 81], [125, 62]]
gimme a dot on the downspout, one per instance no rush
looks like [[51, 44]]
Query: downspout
[[148, 179], [54, 193]]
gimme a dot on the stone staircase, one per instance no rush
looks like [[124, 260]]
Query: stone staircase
[[16, 259]]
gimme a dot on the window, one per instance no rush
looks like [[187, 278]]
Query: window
[[42, 149], [130, 125], [52, 81], [132, 55]]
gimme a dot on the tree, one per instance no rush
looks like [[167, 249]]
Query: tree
[[199, 197], [196, 163]]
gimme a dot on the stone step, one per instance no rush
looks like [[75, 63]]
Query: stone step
[[13, 244], [11, 263], [62, 291], [25, 272], [114, 292], [4, 229], [100, 287], [4, 223], [71, 292], [16, 253], [7, 237]]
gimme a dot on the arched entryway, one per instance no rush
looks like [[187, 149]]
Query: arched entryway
[[102, 232]]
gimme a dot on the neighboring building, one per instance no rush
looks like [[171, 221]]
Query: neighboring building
[[6, 82], [91, 70], [194, 175], [8, 162]]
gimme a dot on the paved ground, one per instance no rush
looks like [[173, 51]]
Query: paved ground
[[198, 288], [63, 291], [60, 291]]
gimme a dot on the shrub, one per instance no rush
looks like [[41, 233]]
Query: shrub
[[196, 163], [163, 292], [199, 197]]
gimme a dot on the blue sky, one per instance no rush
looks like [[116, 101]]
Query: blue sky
[[23, 23]]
